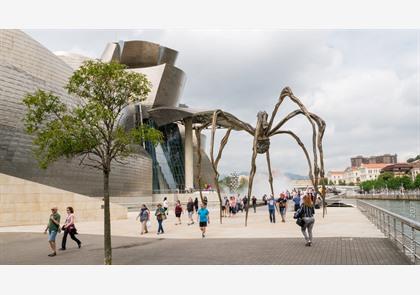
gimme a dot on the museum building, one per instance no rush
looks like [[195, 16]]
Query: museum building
[[26, 65]]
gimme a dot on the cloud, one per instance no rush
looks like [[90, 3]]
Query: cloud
[[364, 83]]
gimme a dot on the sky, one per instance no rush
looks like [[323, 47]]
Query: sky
[[363, 83]]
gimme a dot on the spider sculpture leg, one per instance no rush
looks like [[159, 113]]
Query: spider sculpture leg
[[270, 174], [214, 162], [253, 166], [198, 136]]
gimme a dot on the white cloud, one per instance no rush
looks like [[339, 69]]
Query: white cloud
[[364, 83]]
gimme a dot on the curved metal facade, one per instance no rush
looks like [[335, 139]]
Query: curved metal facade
[[26, 65], [158, 64]]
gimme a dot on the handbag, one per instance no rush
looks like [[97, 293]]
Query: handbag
[[148, 223], [300, 222]]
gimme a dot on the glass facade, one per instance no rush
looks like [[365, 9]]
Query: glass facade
[[168, 159]]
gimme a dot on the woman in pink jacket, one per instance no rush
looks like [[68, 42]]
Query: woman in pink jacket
[[69, 228]]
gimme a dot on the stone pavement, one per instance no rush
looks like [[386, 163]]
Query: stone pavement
[[344, 236], [339, 222], [32, 248]]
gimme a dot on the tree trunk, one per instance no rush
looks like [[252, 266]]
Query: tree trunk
[[107, 221]]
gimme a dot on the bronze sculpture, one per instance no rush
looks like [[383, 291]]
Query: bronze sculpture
[[262, 133]]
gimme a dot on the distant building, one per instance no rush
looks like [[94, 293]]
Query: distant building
[[351, 175], [370, 171], [383, 159], [335, 176], [415, 170], [399, 169]]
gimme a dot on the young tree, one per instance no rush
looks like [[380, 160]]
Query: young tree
[[90, 130]]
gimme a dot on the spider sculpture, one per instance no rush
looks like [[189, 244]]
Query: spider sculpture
[[262, 134]]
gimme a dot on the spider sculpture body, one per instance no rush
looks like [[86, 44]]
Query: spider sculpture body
[[262, 133]]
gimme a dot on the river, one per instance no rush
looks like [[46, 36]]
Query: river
[[409, 209]]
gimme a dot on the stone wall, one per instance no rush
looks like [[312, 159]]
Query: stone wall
[[25, 202]]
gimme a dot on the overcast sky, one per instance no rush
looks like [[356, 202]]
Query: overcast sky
[[363, 83]]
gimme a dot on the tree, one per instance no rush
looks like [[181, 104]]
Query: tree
[[417, 181], [385, 176], [90, 130], [410, 160], [330, 182], [406, 182], [366, 185], [351, 183]]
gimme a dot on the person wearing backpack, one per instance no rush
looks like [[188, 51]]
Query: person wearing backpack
[[178, 211], [254, 203], [296, 200], [160, 217], [196, 204], [144, 216], [190, 210], [53, 228]]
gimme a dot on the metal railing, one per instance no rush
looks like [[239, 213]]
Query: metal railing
[[404, 232]]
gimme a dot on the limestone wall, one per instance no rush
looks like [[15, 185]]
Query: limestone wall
[[24, 202]]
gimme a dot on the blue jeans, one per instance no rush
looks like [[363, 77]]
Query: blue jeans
[[160, 227], [272, 213]]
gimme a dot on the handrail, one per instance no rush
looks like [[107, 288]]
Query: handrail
[[405, 239], [407, 221]]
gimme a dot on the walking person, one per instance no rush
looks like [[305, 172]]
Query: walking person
[[203, 216], [272, 209], [254, 203], [234, 206], [178, 211], [69, 229], [53, 228], [223, 206], [196, 204], [227, 206], [283, 206], [144, 216], [307, 214], [190, 210], [166, 205], [160, 217], [296, 200], [245, 202]]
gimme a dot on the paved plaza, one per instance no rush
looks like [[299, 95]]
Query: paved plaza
[[344, 236], [31, 248]]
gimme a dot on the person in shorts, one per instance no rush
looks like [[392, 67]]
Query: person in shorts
[[53, 227], [203, 216], [282, 201], [166, 205]]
